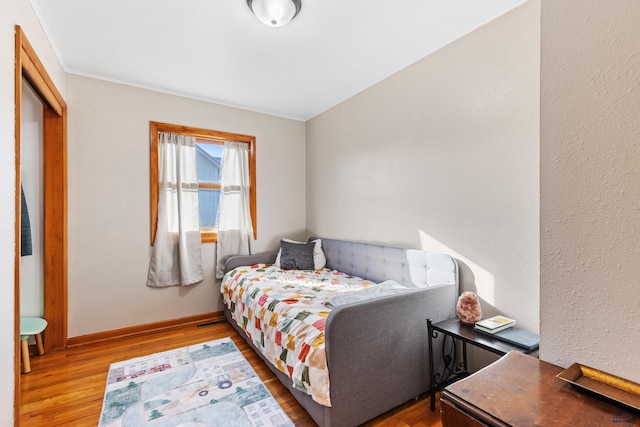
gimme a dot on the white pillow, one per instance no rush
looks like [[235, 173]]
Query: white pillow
[[319, 260]]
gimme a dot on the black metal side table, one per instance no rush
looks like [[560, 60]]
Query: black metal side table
[[467, 335]]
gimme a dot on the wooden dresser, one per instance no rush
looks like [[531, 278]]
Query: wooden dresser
[[520, 390]]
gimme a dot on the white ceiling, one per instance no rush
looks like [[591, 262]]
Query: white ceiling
[[217, 51]]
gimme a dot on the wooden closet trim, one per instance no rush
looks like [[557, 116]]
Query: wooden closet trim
[[29, 68]]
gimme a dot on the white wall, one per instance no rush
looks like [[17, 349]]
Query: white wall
[[109, 200], [590, 187], [444, 156], [13, 12], [31, 160]]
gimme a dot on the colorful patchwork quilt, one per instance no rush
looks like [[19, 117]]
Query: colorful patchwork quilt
[[283, 312]]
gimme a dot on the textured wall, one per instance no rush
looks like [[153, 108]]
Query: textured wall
[[590, 184], [444, 156]]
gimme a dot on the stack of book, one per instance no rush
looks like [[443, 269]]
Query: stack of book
[[494, 324], [502, 328]]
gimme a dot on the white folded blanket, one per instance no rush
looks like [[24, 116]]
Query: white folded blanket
[[388, 287]]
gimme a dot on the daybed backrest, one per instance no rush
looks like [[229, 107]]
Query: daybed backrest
[[409, 267], [369, 261]]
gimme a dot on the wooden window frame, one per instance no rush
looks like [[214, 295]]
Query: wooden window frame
[[207, 235]]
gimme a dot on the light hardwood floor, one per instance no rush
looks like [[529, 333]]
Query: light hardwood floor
[[66, 388]]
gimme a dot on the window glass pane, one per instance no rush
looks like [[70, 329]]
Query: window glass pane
[[208, 201], [208, 160]]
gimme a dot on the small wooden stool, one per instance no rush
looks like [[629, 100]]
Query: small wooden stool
[[30, 326]]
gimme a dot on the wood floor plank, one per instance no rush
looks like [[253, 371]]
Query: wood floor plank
[[66, 388]]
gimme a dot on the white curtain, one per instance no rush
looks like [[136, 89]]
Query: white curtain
[[235, 229], [176, 255]]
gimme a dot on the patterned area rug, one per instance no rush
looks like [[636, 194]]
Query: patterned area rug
[[204, 385]]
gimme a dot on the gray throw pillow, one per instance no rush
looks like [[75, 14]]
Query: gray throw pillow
[[296, 256]]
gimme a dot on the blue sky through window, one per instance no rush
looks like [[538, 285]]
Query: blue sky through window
[[209, 159], [213, 150]]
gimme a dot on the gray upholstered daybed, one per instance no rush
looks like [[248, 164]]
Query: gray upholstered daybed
[[376, 350]]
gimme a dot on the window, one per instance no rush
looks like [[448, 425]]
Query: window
[[209, 160], [209, 149]]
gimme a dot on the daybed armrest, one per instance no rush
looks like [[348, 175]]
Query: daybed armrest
[[240, 260], [391, 334]]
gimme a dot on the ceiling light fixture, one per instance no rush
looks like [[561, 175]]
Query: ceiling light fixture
[[275, 13]]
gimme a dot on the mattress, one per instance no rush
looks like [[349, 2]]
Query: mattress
[[283, 312]]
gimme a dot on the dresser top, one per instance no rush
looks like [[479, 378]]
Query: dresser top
[[520, 390]]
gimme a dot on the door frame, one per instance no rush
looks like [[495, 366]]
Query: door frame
[[30, 69]]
